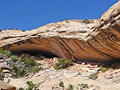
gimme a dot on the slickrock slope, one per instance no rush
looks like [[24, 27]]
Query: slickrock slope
[[99, 40]]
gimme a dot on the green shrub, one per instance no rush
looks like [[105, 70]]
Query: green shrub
[[70, 87], [31, 86], [14, 58], [21, 88], [1, 75], [22, 58], [34, 69], [37, 69], [67, 20], [18, 72], [21, 72], [1, 50], [7, 53], [61, 84], [85, 86], [63, 63], [30, 61], [79, 73], [93, 76], [103, 69], [38, 64], [23, 65], [86, 21]]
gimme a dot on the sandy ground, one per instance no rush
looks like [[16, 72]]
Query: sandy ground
[[49, 78]]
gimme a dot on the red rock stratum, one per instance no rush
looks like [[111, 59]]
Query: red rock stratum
[[99, 40]]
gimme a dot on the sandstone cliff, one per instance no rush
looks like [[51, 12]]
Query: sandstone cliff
[[99, 40]]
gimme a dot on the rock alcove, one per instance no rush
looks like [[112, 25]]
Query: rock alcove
[[36, 53]]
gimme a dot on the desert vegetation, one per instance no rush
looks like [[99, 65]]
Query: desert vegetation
[[61, 84], [84, 86], [23, 65], [5, 52], [103, 69], [70, 87], [20, 65], [30, 86], [94, 76], [86, 21], [63, 63], [1, 75]]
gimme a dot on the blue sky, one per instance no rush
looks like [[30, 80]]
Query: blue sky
[[31, 14]]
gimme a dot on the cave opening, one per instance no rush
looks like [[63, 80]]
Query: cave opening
[[36, 53]]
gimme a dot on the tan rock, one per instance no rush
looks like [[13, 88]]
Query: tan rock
[[4, 86], [98, 41]]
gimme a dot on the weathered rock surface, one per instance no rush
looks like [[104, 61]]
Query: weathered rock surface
[[49, 78], [99, 40], [4, 86]]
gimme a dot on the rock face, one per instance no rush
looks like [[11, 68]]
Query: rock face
[[4, 86], [99, 40]]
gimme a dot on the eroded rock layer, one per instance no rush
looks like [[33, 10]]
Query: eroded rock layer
[[99, 40]]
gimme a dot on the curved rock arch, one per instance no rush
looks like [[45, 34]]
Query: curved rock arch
[[99, 40]]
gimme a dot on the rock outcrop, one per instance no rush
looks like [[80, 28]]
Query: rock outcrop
[[99, 40], [4, 86]]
